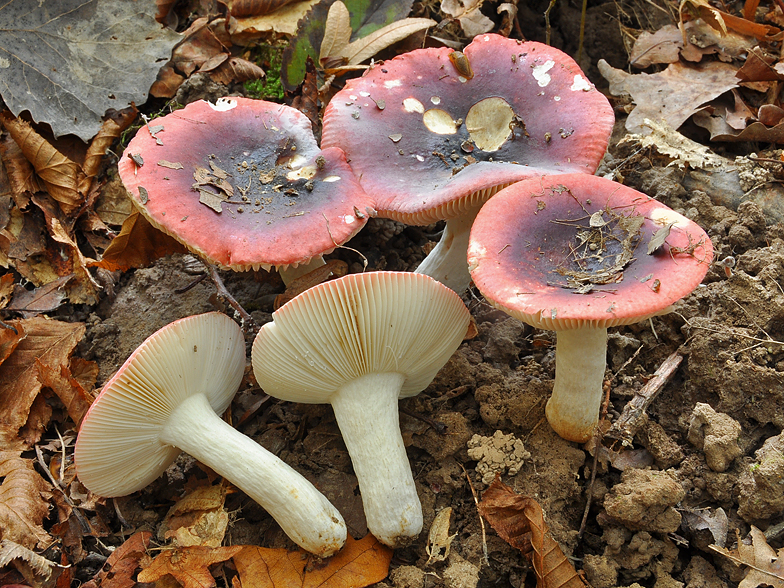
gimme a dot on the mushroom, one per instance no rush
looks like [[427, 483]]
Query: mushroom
[[359, 343], [432, 134], [243, 184], [577, 254], [166, 398]]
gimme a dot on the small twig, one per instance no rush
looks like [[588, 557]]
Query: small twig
[[631, 417], [7, 326], [247, 321], [481, 520], [75, 509], [198, 280]]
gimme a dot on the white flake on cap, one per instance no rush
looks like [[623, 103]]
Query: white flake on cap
[[540, 72], [223, 104], [580, 84]]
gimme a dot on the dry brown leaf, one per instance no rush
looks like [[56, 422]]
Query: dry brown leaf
[[23, 502], [76, 399], [663, 46], [64, 178], [468, 13], [198, 518], [49, 342], [359, 563], [337, 31], [10, 551], [765, 566], [672, 95], [30, 303], [283, 21], [189, 565], [6, 290], [120, 567], [137, 245], [111, 129], [245, 8], [236, 69], [366, 47], [519, 521], [202, 41], [9, 340], [21, 175]]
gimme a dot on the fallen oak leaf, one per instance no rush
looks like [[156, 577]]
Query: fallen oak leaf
[[64, 178], [76, 399], [121, 565], [24, 505], [360, 563], [47, 298], [137, 245], [519, 521], [765, 565], [188, 565], [47, 341], [10, 551]]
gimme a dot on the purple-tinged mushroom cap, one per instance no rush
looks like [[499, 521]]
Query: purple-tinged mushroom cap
[[432, 144], [576, 254], [243, 184]]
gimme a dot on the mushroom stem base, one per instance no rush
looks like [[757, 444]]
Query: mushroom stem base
[[580, 361], [303, 513], [366, 410]]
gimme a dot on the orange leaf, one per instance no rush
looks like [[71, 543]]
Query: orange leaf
[[137, 245], [118, 570], [62, 176], [48, 341], [519, 521], [189, 565], [22, 505], [359, 563], [76, 400]]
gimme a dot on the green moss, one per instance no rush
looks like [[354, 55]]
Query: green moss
[[270, 88]]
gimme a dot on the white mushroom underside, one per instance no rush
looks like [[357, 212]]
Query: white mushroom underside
[[303, 513]]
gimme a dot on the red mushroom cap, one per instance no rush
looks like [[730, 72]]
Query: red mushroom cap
[[540, 252], [243, 184], [429, 142]]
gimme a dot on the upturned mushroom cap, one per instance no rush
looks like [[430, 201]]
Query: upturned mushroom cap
[[359, 343], [118, 450], [373, 322], [571, 251], [243, 184], [430, 142], [165, 399]]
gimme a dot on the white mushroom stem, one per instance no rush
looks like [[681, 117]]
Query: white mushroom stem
[[447, 261], [366, 410], [580, 362], [303, 513]]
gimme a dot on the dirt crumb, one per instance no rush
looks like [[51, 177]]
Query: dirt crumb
[[761, 488], [407, 577], [644, 500], [460, 573], [716, 434], [497, 455]]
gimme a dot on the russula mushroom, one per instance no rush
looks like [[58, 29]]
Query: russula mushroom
[[577, 254], [359, 343], [430, 143], [165, 399], [243, 184]]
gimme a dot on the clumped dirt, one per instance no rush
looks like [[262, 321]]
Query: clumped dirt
[[709, 459]]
